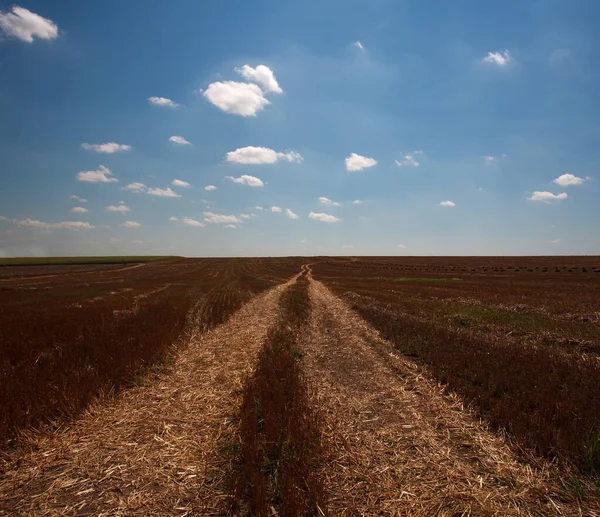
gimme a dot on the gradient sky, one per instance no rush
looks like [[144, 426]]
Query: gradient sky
[[375, 127]]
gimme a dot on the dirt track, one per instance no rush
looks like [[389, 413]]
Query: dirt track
[[396, 445]]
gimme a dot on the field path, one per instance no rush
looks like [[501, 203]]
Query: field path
[[398, 445], [155, 450]]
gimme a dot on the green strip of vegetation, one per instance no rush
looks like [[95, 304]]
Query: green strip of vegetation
[[73, 261]]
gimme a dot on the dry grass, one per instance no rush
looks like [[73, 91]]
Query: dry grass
[[276, 469]]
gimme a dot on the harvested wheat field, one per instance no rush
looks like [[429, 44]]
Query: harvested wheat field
[[297, 387]]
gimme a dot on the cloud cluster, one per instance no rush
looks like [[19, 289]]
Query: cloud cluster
[[135, 187], [108, 148], [448, 204], [162, 192], [261, 155], [324, 218], [79, 210], [100, 175], [43, 225], [121, 208], [407, 161], [77, 198], [244, 179], [356, 162], [188, 221], [291, 214], [209, 188], [211, 217], [180, 183], [25, 25], [131, 224], [245, 99]]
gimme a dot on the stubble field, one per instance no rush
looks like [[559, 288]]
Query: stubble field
[[301, 386]]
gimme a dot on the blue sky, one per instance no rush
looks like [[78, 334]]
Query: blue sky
[[376, 127]]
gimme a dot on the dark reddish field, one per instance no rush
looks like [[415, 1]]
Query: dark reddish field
[[517, 337], [70, 332]]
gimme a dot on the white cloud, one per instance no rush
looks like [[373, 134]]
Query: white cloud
[[498, 58], [567, 180], [244, 179], [163, 102], [210, 187], [108, 148], [79, 210], [135, 187], [173, 218], [448, 203], [262, 75], [180, 183], [131, 224], [358, 45], [401, 246], [213, 218], [407, 161], [261, 155], [291, 214], [77, 198], [356, 202], [230, 226], [101, 175], [25, 25], [163, 192], [489, 159], [325, 218], [328, 202], [275, 209], [42, 225], [547, 196], [121, 208], [179, 140], [192, 222], [237, 98], [259, 208], [356, 162]]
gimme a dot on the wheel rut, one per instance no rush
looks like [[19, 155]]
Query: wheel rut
[[155, 449]]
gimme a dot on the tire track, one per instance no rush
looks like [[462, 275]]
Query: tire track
[[155, 449]]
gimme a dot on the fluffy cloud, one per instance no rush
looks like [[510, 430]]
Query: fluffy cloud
[[25, 25], [42, 225], [498, 58], [213, 218], [328, 202], [547, 196], [407, 161], [163, 102], [275, 209], [356, 162], [244, 179], [179, 140], [162, 192], [358, 45], [448, 203], [108, 148], [79, 210], [180, 183], [356, 202], [325, 218], [230, 226], [237, 98], [135, 187], [210, 187], [259, 155], [77, 198], [567, 180], [121, 208], [291, 214], [131, 224], [101, 175], [262, 75]]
